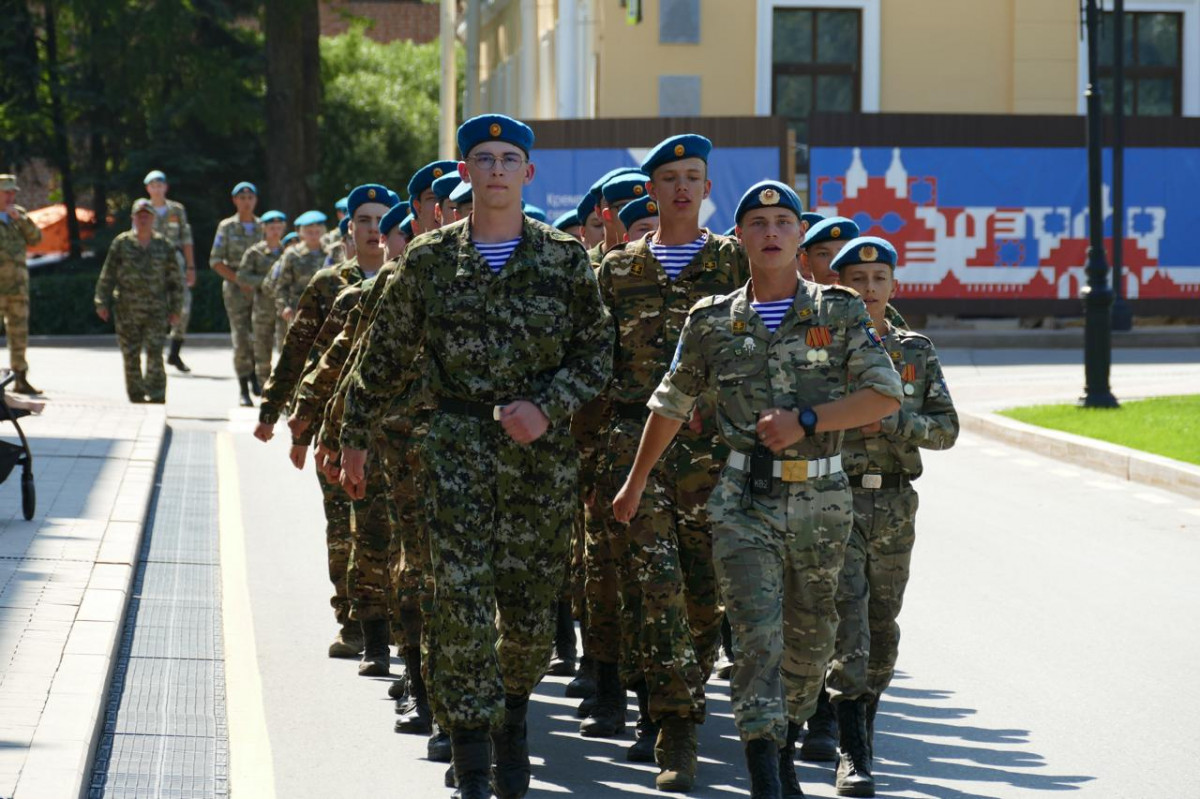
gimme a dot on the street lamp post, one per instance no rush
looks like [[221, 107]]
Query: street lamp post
[[1097, 295]]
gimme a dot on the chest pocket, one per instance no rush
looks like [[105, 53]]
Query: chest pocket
[[639, 313], [741, 378]]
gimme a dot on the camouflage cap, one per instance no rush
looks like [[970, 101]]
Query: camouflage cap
[[9, 183], [142, 204]]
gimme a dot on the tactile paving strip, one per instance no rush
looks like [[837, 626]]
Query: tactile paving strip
[[164, 731]]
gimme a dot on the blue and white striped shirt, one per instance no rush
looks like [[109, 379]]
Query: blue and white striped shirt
[[772, 313], [675, 257], [497, 254]]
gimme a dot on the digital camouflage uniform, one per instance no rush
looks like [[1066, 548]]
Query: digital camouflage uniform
[[777, 555], [291, 275], [875, 573], [16, 234], [231, 242], [141, 287], [255, 271], [497, 512], [671, 609], [173, 223]]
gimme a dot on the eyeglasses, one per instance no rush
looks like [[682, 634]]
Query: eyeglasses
[[486, 161]]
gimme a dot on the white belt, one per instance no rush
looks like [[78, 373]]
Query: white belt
[[792, 471]]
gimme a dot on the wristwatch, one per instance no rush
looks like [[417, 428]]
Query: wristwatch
[[808, 420]]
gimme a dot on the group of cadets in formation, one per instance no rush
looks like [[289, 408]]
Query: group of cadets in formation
[[683, 440]]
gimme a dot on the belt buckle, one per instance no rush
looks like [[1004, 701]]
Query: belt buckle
[[794, 471], [872, 481]]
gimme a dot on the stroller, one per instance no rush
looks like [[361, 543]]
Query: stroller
[[13, 454]]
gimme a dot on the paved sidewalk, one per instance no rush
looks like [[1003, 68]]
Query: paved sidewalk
[[64, 584]]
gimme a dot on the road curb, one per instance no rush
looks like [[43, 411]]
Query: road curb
[[1128, 464]]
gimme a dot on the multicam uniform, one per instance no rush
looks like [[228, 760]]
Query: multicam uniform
[[290, 278], [172, 221], [16, 234], [255, 271], [232, 241]]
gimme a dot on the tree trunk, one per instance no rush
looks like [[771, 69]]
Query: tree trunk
[[292, 29], [96, 120], [62, 147]]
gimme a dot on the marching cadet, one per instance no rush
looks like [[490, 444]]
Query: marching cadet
[[17, 232], [140, 288], [253, 276], [460, 198], [613, 235], [171, 220], [821, 243], [335, 236], [569, 223], [423, 202], [298, 265], [793, 364], [235, 235], [671, 622], [443, 187], [639, 218], [591, 226], [882, 460], [508, 313], [342, 248]]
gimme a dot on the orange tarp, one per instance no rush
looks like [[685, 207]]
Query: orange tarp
[[53, 221]]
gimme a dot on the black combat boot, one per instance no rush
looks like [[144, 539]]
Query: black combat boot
[[21, 384], [584, 684], [398, 690], [762, 761], [510, 745], [563, 662], [854, 759], [872, 710], [646, 730], [255, 386], [787, 764], [244, 393], [173, 359], [415, 717], [376, 659], [472, 763], [724, 665], [437, 748], [820, 743], [607, 719]]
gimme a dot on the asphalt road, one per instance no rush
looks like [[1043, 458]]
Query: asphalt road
[[1049, 639]]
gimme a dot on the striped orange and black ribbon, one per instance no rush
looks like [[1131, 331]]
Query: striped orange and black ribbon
[[819, 337]]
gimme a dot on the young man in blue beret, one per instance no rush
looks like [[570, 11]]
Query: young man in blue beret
[[298, 264], [253, 273], [336, 235], [792, 365], [569, 223], [821, 243], [424, 200], [507, 311], [171, 221], [591, 225], [443, 187], [672, 614], [461, 201], [235, 235], [639, 218], [613, 235]]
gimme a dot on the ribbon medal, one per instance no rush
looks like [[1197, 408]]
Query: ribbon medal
[[818, 338], [909, 376]]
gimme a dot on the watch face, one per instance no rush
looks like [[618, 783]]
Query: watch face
[[808, 417]]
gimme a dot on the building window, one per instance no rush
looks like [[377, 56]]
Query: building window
[[1153, 63], [815, 66], [679, 22]]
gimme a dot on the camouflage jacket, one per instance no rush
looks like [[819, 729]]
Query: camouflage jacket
[[173, 224], [256, 266], [232, 241], [333, 341], [140, 279], [17, 234], [536, 331], [291, 275], [926, 417], [824, 349], [311, 309]]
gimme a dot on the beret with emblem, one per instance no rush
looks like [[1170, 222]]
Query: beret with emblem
[[340, 205], [494, 127], [310, 218], [447, 183], [638, 210], [273, 216], [677, 148], [424, 177], [406, 226], [811, 217], [461, 194], [865, 250], [369, 193], [245, 185], [630, 186], [768, 194], [597, 189], [289, 238], [344, 226], [533, 212], [587, 205], [393, 217], [834, 228], [568, 220]]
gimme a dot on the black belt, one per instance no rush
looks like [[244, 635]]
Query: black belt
[[479, 410], [631, 410], [877, 481]]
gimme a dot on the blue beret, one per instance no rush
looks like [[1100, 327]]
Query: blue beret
[[344, 225], [407, 207], [461, 194], [243, 186], [310, 218], [443, 186], [494, 127], [811, 217], [596, 188], [406, 226], [273, 216], [393, 217], [677, 148], [424, 177], [153, 175], [768, 194], [569, 219], [289, 238], [340, 205], [637, 210], [533, 212], [370, 193], [865, 250], [625, 187], [585, 208], [834, 228]]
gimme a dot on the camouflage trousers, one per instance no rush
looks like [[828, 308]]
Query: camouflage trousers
[[367, 579], [871, 592], [411, 595], [778, 563], [138, 332], [179, 329], [337, 543], [267, 333], [239, 307], [604, 631], [14, 310], [498, 514]]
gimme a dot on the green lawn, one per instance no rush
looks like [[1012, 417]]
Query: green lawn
[[1168, 426]]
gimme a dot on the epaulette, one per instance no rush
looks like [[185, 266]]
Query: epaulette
[[710, 301], [837, 287], [904, 334]]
